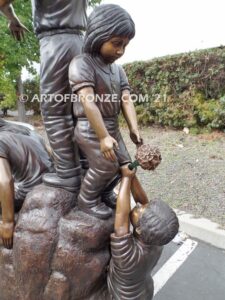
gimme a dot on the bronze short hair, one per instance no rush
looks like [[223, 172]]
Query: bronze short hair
[[105, 22], [158, 224]]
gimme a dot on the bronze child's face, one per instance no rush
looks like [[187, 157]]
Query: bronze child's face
[[113, 49], [136, 214]]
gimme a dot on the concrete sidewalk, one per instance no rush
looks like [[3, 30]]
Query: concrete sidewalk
[[202, 229]]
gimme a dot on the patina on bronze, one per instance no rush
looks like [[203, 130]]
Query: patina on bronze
[[147, 156], [23, 160], [102, 91], [134, 255], [59, 27], [60, 251], [16, 28]]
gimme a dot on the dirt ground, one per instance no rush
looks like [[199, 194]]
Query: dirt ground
[[191, 176]]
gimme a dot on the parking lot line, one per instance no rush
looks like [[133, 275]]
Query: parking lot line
[[171, 266]]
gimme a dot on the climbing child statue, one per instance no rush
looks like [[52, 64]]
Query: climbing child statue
[[134, 254]]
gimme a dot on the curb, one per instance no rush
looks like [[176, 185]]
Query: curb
[[202, 229]]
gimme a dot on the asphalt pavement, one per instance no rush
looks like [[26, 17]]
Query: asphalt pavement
[[193, 270]]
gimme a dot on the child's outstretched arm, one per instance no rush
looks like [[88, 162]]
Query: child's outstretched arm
[[138, 191], [122, 219], [131, 117], [7, 203], [107, 142]]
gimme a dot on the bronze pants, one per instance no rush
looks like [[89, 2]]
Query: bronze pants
[[101, 171], [57, 51]]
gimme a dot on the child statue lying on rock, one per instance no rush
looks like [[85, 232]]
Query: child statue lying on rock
[[23, 160]]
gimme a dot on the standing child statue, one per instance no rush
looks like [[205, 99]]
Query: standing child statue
[[102, 91]]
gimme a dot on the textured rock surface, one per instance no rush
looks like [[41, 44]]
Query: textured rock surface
[[59, 253]]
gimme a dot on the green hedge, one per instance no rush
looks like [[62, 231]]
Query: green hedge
[[185, 90]]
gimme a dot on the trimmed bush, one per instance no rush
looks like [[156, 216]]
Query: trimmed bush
[[185, 90]]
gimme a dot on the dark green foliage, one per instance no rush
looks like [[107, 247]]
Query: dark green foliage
[[16, 55], [94, 2], [183, 90]]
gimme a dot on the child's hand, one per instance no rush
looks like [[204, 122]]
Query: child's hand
[[106, 146], [7, 229], [126, 172], [135, 137]]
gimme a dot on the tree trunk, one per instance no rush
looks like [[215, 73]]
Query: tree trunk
[[20, 103]]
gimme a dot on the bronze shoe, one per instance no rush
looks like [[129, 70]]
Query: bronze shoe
[[109, 199], [69, 184], [100, 211]]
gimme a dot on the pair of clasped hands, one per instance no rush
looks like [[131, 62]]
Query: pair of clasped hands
[[108, 144]]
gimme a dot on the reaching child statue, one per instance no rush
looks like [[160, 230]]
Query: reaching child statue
[[102, 90], [134, 254]]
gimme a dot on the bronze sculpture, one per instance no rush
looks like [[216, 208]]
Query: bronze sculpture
[[94, 74], [17, 29], [60, 31], [23, 160], [147, 156], [134, 255], [62, 251], [59, 28]]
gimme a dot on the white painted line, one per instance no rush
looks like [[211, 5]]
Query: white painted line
[[171, 266]]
